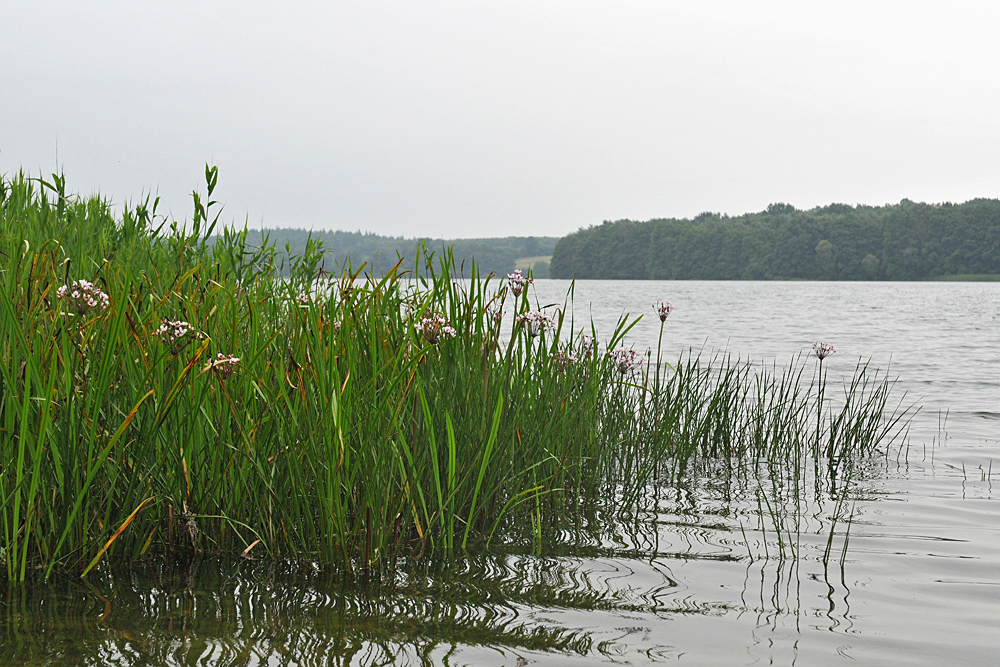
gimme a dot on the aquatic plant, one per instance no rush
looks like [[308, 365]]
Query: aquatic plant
[[823, 350], [339, 429], [663, 309], [81, 296], [535, 322], [564, 357], [626, 360], [434, 328], [224, 366], [177, 335], [518, 282]]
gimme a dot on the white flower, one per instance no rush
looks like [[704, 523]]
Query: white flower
[[627, 361], [663, 309], [224, 366], [563, 358], [823, 350], [518, 282], [81, 296], [535, 322], [435, 328], [177, 334]]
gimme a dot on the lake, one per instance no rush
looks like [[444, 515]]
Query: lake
[[698, 577]]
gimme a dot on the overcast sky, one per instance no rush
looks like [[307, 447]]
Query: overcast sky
[[460, 119]]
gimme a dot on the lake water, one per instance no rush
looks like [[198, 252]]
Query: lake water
[[697, 579]]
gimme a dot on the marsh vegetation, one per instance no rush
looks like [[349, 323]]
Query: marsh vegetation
[[162, 394]]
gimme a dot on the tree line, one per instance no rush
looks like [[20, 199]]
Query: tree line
[[380, 253], [905, 241]]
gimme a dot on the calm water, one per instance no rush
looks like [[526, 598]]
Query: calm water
[[698, 578]]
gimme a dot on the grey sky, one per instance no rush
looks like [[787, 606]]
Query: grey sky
[[462, 118]]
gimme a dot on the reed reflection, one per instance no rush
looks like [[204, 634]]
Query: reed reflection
[[671, 551]]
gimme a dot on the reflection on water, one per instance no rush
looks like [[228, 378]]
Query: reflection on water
[[244, 614], [715, 571], [699, 550], [720, 570]]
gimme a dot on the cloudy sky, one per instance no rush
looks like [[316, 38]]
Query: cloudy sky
[[465, 118]]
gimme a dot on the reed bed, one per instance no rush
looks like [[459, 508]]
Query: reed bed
[[165, 391]]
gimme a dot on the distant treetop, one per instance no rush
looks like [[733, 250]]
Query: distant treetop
[[905, 241]]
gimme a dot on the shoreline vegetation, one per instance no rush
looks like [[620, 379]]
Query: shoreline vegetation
[[905, 241], [380, 254], [166, 392]]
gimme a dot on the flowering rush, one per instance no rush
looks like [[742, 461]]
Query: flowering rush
[[81, 296], [563, 358], [823, 350], [535, 322], [435, 328], [518, 282], [224, 365], [662, 309], [627, 361], [177, 334]]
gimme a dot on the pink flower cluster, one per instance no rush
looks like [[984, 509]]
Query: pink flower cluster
[[434, 329], [823, 350], [224, 365], [535, 322], [518, 282], [627, 361], [662, 309], [82, 295], [177, 334], [563, 358]]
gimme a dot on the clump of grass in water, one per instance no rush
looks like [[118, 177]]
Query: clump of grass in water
[[348, 420]]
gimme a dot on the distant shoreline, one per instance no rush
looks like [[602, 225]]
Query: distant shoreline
[[906, 241]]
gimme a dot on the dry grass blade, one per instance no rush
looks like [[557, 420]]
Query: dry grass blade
[[121, 529]]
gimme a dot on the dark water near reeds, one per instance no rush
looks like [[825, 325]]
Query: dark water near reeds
[[698, 577]]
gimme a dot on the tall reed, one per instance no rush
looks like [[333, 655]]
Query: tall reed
[[332, 415]]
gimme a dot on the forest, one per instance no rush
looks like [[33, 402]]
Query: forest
[[381, 253], [904, 241]]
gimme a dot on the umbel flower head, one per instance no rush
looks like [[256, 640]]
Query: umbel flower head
[[535, 322], [518, 282], [177, 334], [563, 358], [663, 309], [627, 361], [823, 350], [434, 329], [82, 296], [224, 366]]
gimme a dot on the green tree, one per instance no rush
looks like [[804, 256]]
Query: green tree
[[870, 265], [826, 259]]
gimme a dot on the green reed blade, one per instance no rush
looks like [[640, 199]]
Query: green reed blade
[[487, 453]]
